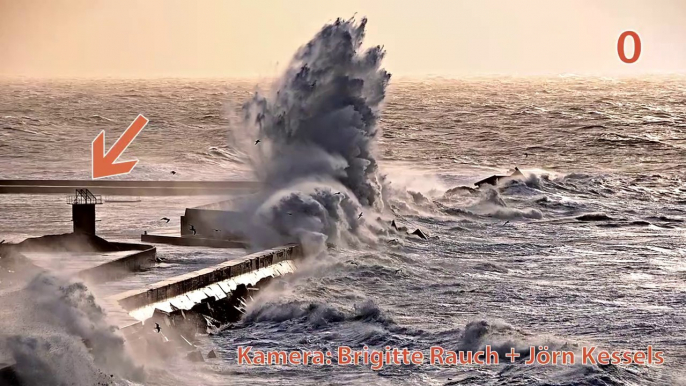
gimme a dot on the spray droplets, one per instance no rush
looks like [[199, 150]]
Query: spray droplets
[[318, 129], [321, 119]]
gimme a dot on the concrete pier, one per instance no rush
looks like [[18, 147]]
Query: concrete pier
[[190, 241], [138, 257], [184, 291], [86, 256], [128, 188]]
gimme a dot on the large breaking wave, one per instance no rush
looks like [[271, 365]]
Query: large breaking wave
[[61, 336], [317, 130]]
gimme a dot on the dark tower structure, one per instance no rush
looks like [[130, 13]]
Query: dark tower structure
[[83, 211]]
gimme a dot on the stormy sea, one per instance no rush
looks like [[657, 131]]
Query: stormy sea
[[586, 247]]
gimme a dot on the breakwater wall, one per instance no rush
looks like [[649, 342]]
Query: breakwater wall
[[188, 289], [142, 257]]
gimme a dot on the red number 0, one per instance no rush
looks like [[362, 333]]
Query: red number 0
[[637, 46]]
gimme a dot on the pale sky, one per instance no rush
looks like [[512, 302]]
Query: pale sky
[[254, 38]]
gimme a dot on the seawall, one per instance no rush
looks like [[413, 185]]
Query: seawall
[[192, 241], [133, 257], [144, 257], [202, 279]]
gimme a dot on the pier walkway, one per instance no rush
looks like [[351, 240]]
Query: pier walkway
[[128, 188]]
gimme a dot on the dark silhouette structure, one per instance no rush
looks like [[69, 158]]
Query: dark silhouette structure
[[83, 211], [493, 180]]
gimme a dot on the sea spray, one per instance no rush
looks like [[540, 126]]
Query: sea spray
[[316, 151], [70, 341]]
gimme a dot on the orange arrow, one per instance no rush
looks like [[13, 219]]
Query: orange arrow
[[104, 164]]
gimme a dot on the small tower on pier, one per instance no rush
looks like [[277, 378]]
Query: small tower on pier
[[83, 211]]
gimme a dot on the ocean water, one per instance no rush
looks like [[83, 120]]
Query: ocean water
[[587, 249]]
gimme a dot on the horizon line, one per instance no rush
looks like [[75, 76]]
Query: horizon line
[[394, 76]]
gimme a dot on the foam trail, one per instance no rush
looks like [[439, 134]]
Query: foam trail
[[317, 132]]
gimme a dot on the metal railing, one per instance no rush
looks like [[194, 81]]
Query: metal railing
[[84, 197]]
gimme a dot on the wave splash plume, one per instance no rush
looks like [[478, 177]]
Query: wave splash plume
[[317, 131]]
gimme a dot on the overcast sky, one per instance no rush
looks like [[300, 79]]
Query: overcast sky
[[253, 38]]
